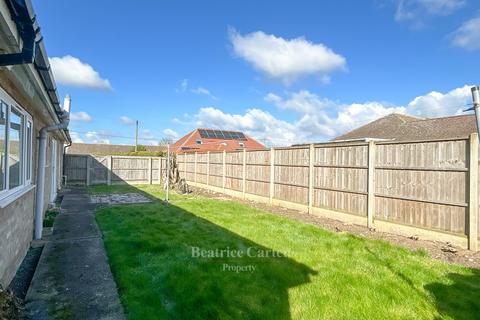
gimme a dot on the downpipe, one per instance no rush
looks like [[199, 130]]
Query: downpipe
[[42, 157]]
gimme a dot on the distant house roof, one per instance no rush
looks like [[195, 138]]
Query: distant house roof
[[404, 127], [203, 139], [106, 149]]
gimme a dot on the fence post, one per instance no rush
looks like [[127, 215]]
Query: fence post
[[244, 172], [109, 170], [195, 169], [160, 170], [473, 193], [89, 162], [371, 184], [272, 173], [311, 159], [208, 167], [224, 170], [150, 170]]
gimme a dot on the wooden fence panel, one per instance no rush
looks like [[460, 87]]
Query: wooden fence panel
[[190, 166], [121, 169], [202, 160], [216, 169], [133, 170], [181, 164], [155, 170], [340, 178], [76, 169], [258, 172], [234, 170], [291, 172], [423, 184], [98, 170]]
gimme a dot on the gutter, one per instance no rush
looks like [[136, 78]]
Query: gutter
[[27, 31], [42, 156]]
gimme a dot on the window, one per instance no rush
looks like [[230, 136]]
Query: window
[[198, 142], [16, 130], [28, 147], [241, 144], [15, 143]]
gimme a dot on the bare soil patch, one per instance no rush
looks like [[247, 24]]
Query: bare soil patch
[[437, 250]]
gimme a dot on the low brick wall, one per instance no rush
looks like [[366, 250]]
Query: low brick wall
[[16, 228]]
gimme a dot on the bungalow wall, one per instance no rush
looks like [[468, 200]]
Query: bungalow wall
[[17, 218]]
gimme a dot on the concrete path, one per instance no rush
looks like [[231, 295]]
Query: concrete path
[[73, 278]]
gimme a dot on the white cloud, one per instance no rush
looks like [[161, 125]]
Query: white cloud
[[96, 137], [206, 92], [302, 101], [80, 116], [322, 119], [183, 86], [126, 120], [170, 134], [70, 71], [468, 35], [416, 10], [436, 104], [285, 59]]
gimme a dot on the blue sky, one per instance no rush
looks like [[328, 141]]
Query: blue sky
[[283, 72]]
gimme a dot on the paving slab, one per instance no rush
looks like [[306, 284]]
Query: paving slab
[[73, 279], [124, 198], [72, 226]]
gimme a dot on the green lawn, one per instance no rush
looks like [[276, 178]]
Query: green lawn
[[305, 272]]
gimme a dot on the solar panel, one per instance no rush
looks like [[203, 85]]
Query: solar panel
[[221, 134]]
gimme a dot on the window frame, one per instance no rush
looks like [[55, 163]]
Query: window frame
[[26, 145], [28, 168]]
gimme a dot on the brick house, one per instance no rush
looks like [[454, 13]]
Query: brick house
[[33, 131], [202, 140]]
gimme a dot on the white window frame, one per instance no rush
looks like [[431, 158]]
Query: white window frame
[[27, 167], [8, 195]]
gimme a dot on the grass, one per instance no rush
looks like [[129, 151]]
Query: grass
[[310, 273], [50, 218], [103, 188]]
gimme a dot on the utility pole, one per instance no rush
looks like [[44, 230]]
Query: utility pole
[[476, 105], [136, 135]]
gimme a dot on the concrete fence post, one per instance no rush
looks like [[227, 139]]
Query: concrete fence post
[[311, 172], [150, 170], [195, 169], [109, 169], [224, 170], [473, 193], [244, 172], [371, 184], [89, 164], [272, 174], [208, 168]]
